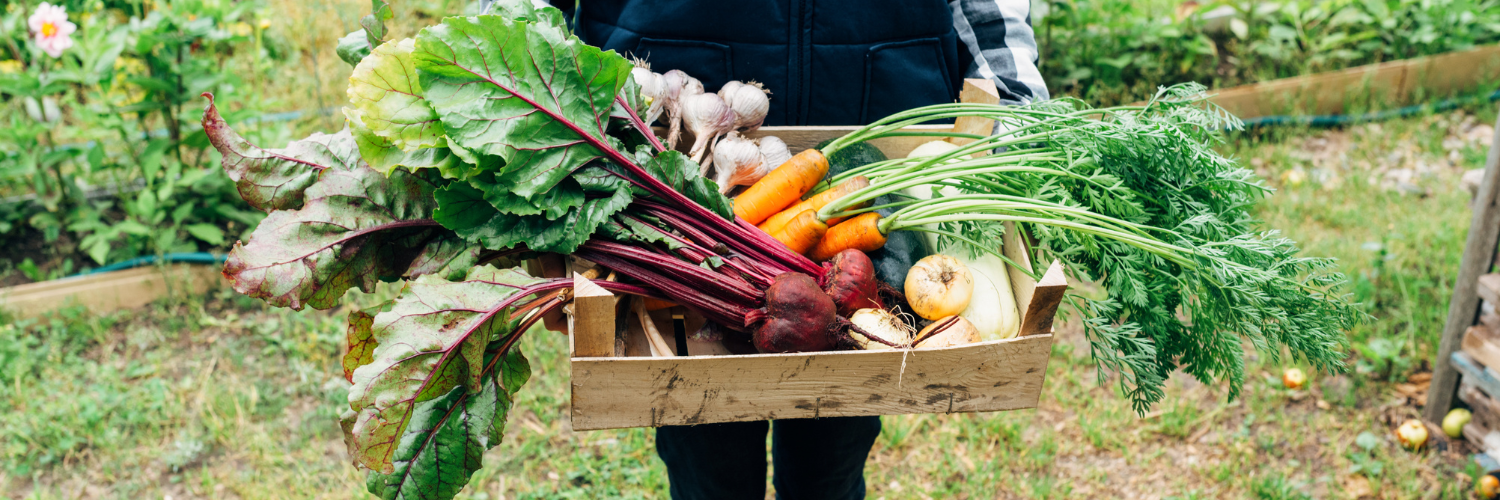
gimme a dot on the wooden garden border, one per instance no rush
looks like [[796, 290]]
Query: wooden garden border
[[110, 291], [1366, 87]]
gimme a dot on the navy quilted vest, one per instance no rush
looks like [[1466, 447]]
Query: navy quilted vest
[[826, 62]]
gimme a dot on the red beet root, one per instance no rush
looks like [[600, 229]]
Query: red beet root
[[851, 282], [799, 317]]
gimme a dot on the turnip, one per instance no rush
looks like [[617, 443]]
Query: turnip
[[939, 286], [851, 282], [798, 317], [883, 324], [948, 332]]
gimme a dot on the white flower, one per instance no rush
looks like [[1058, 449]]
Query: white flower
[[51, 27]]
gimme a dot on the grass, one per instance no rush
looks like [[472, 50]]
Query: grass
[[219, 397]]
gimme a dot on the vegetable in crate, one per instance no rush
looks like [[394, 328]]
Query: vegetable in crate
[[460, 151]]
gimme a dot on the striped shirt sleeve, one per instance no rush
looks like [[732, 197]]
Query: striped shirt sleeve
[[999, 37]]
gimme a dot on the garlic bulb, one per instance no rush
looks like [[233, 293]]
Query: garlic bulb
[[653, 91], [708, 117], [749, 102], [737, 162], [774, 152], [678, 85]]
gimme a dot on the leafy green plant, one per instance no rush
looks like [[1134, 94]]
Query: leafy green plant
[[102, 158], [1119, 51]]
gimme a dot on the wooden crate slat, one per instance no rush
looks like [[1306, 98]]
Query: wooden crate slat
[[1483, 378], [1485, 409], [989, 376], [1489, 288], [1481, 343]]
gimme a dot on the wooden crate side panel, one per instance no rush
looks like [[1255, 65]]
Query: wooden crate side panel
[[638, 392]]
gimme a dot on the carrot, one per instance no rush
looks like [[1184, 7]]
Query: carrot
[[859, 232], [778, 221], [656, 304], [802, 233], [816, 202], [782, 187]]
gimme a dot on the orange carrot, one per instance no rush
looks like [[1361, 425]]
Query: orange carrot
[[778, 221], [782, 187], [816, 202], [656, 304], [801, 233], [859, 232]]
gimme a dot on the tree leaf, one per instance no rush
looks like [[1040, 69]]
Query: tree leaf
[[356, 227], [527, 92], [384, 89], [465, 210], [430, 342], [275, 179]]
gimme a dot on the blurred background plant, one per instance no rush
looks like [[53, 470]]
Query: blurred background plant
[[1118, 51]]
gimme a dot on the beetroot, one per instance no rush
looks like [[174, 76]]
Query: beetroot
[[851, 282], [799, 317]]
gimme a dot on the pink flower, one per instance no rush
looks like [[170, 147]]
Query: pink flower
[[52, 30]]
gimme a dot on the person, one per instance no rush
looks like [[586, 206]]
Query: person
[[826, 62]]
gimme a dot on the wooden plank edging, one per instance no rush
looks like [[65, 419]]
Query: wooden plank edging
[[1362, 87], [110, 291]]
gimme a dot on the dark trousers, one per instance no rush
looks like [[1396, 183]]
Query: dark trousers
[[820, 458]]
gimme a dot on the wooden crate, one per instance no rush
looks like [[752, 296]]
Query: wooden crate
[[640, 390]]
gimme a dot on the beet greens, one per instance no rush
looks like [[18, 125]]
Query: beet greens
[[499, 135]]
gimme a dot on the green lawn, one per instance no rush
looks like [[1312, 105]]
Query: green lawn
[[219, 397]]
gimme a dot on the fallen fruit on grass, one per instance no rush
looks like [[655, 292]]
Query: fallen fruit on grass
[[1293, 378], [1454, 422], [1412, 434], [1487, 486]]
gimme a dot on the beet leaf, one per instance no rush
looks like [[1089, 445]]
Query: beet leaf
[[274, 179], [529, 93], [356, 227], [431, 344]]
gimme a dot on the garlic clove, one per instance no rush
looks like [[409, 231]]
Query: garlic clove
[[749, 102], [774, 151]]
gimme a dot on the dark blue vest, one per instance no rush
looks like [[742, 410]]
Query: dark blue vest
[[826, 62]]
